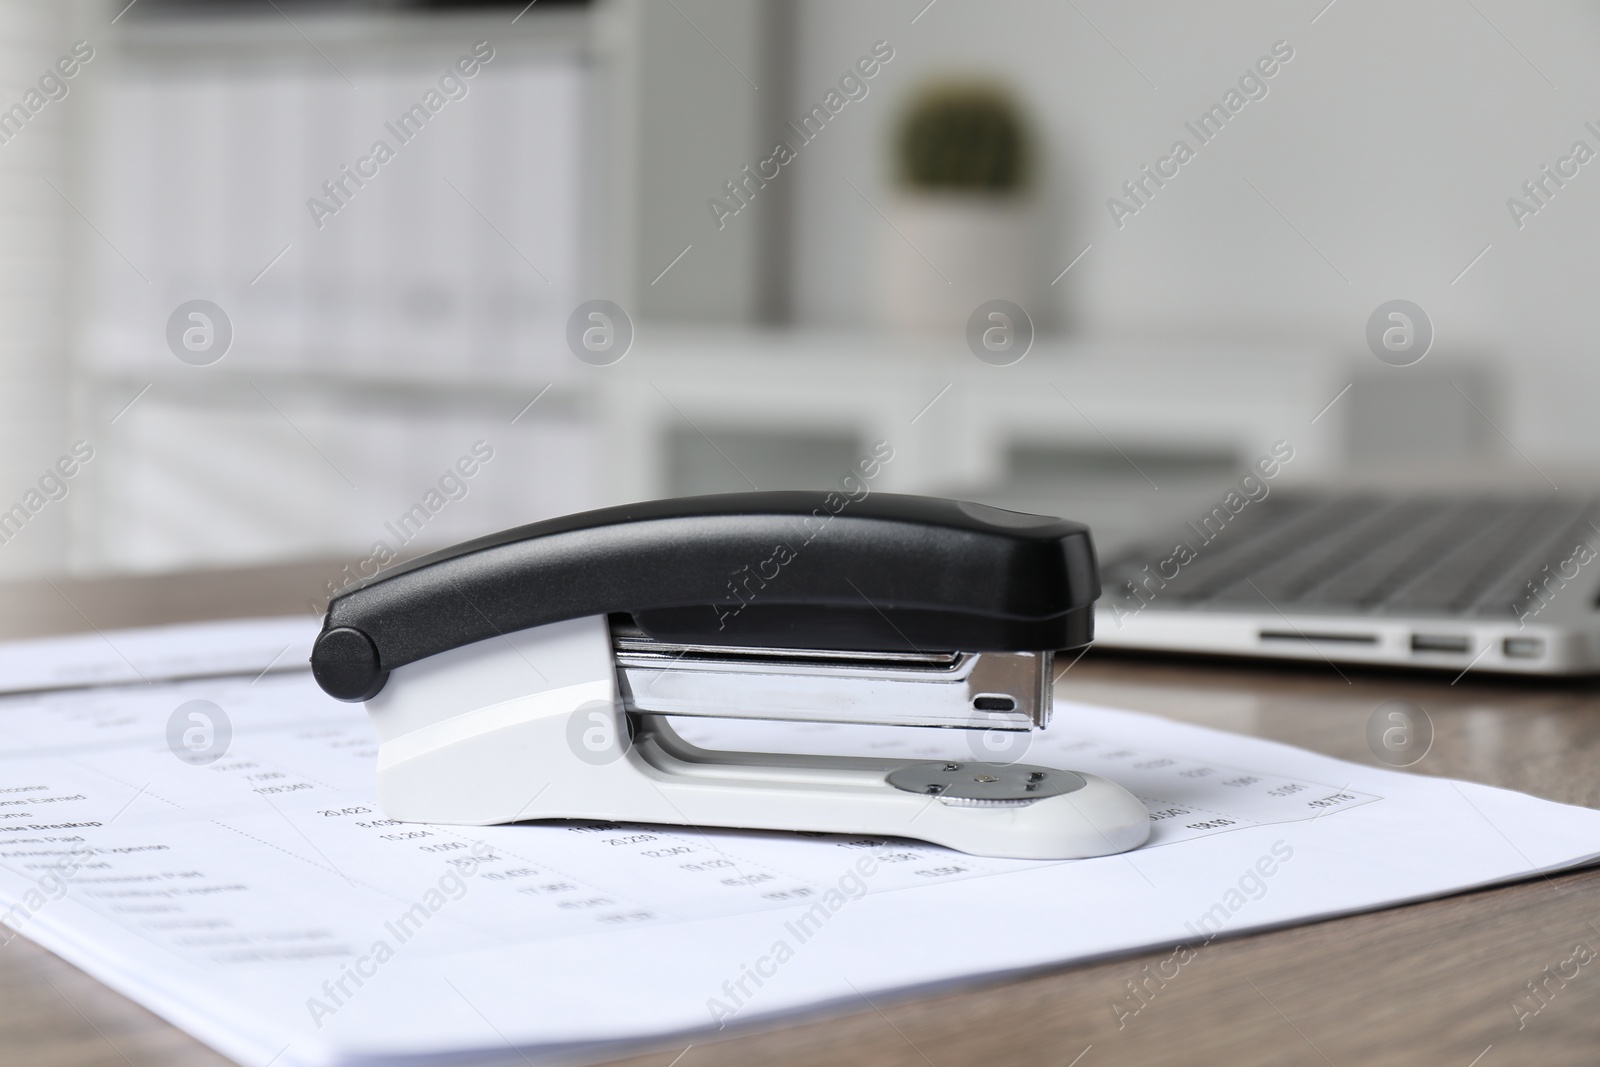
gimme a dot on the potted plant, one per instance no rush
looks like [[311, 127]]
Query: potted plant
[[963, 162]]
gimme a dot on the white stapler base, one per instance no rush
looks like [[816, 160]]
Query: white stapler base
[[565, 753]]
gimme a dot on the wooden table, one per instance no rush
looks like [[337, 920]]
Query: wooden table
[[1422, 984]]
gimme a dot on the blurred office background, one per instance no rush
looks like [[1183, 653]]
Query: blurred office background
[[374, 346]]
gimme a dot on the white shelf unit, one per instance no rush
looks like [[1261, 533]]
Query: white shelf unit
[[369, 352], [1081, 397]]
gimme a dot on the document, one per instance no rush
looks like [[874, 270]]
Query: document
[[255, 895]]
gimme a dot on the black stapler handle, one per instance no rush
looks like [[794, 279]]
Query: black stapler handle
[[775, 570]]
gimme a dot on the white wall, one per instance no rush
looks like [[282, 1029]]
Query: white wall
[[690, 71], [1391, 141], [40, 228]]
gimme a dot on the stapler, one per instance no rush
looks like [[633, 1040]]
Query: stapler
[[532, 674]]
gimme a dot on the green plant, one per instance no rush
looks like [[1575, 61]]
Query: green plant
[[963, 137]]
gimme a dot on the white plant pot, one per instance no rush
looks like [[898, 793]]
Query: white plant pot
[[946, 254]]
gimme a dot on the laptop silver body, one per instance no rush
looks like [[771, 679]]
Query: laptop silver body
[[1453, 569], [1452, 580]]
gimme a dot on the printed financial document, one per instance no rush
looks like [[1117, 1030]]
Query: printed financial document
[[256, 896]]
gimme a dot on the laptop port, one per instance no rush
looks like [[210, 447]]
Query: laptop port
[[1523, 647], [1440, 643], [1298, 635]]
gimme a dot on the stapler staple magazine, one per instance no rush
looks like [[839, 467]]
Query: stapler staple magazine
[[531, 674]]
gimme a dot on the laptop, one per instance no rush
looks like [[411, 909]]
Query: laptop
[[1452, 580]]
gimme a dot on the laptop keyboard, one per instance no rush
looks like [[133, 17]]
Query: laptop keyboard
[[1360, 553]]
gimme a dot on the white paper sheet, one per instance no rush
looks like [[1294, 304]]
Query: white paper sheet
[[157, 653], [265, 905]]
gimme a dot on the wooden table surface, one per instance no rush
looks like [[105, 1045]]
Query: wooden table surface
[[1426, 983]]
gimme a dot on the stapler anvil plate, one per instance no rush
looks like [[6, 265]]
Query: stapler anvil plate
[[530, 674]]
